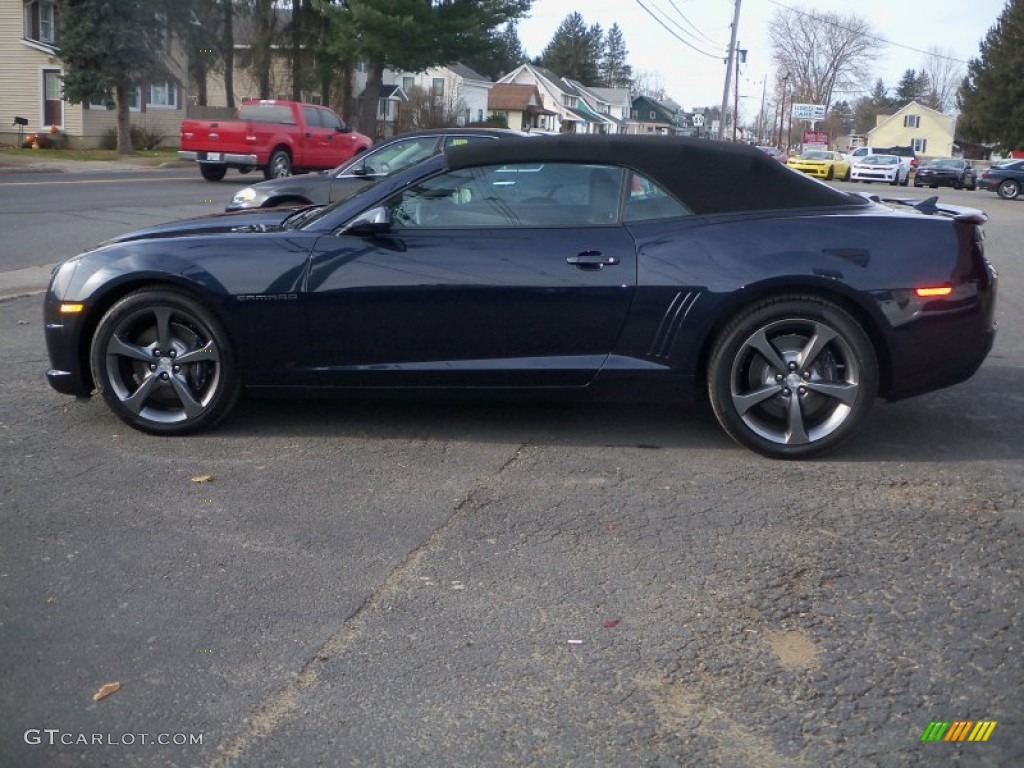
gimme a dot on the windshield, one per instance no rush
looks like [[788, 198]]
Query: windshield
[[815, 154], [946, 162], [881, 160]]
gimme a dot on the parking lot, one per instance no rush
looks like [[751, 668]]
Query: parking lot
[[492, 583]]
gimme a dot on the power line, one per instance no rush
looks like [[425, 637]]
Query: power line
[[697, 29], [687, 43]]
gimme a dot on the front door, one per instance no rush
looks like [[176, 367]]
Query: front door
[[504, 276]]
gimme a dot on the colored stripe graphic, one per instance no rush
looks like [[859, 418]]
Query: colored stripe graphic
[[982, 730], [959, 730]]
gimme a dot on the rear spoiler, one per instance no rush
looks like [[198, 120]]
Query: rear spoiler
[[932, 207]]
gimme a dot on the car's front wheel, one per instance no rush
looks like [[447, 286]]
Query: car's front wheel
[[1009, 189], [163, 363], [792, 376]]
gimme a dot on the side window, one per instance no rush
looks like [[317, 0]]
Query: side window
[[399, 155], [460, 141], [646, 200], [515, 195], [311, 115], [329, 119]]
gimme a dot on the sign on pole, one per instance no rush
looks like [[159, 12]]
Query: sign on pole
[[698, 120], [808, 112]]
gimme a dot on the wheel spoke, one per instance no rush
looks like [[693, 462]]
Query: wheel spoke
[[163, 328], [192, 406], [138, 398], [117, 346], [206, 354], [795, 434], [747, 401], [845, 393], [822, 336], [759, 341]]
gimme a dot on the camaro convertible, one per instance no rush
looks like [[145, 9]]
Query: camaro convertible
[[822, 164], [631, 267]]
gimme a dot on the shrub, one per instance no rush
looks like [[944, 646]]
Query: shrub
[[142, 138]]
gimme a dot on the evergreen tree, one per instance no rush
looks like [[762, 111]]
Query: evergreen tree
[[413, 35], [504, 53], [575, 50], [991, 97], [868, 108], [615, 72], [109, 46]]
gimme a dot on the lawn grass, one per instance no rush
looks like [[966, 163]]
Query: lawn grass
[[89, 154]]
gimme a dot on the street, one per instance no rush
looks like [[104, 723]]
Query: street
[[484, 584]]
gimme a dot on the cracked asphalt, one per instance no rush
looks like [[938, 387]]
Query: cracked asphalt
[[482, 584]]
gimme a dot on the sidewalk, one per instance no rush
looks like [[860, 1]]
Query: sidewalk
[[45, 161]]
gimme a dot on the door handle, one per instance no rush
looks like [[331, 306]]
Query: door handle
[[592, 260]]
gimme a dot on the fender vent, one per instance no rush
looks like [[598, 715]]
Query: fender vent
[[671, 322]]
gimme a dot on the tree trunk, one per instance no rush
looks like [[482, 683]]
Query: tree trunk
[[297, 26], [371, 96], [229, 53], [261, 46], [124, 121]]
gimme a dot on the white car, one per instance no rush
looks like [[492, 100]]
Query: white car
[[882, 168]]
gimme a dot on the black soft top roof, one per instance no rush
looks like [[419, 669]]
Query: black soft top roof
[[708, 176]]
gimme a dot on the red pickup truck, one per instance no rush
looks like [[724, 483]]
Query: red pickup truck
[[278, 137]]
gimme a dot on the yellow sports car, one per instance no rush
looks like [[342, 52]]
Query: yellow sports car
[[822, 164]]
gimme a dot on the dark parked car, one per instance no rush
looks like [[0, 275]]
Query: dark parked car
[[946, 172], [612, 266], [365, 169], [1005, 179]]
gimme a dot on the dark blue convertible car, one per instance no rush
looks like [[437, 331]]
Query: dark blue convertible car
[[616, 266]]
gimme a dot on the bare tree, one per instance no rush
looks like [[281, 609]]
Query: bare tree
[[945, 74], [822, 52], [432, 108], [649, 83]]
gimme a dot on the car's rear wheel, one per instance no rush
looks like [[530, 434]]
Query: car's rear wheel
[[1009, 189], [791, 377], [280, 165], [212, 171], [163, 363]]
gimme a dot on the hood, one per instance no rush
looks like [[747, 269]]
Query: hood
[[268, 220]]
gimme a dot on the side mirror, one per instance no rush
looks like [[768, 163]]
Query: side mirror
[[375, 221]]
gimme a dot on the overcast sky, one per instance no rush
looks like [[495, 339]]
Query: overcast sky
[[693, 79]]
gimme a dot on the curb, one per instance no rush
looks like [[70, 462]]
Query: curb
[[30, 281]]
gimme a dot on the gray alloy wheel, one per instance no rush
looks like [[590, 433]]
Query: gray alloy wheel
[[280, 165], [791, 377], [1009, 189], [163, 363]]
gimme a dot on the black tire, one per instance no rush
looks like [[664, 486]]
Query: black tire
[[802, 345], [847, 176], [895, 180], [212, 171], [163, 363], [1009, 189], [905, 181], [831, 173], [280, 165]]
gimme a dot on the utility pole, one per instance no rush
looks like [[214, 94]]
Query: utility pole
[[741, 58], [728, 71]]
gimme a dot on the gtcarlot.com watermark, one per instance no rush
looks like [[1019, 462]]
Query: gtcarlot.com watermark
[[55, 737]]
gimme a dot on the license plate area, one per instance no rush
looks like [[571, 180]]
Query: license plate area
[[215, 156]]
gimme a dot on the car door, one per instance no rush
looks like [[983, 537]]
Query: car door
[[514, 275], [316, 142]]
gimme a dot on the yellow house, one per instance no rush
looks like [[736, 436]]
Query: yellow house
[[928, 131], [32, 87]]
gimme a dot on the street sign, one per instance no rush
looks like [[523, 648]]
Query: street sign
[[715, 125], [808, 112], [698, 120]]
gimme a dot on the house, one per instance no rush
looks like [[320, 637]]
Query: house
[[652, 116], [567, 109], [455, 94], [31, 83], [520, 105], [928, 131], [600, 101]]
